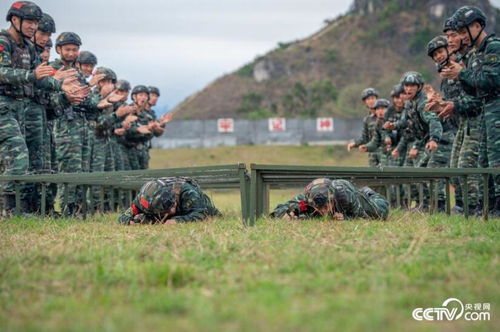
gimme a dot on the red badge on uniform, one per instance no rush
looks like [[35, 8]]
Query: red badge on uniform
[[302, 206], [2, 48], [144, 203], [17, 5], [135, 210]]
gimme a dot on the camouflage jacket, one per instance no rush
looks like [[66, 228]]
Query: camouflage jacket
[[481, 78], [424, 126], [348, 200], [369, 126], [376, 142], [18, 62], [192, 203], [133, 136]]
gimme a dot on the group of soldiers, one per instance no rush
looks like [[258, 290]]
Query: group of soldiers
[[66, 116], [458, 127]]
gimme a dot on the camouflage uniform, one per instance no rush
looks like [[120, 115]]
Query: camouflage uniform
[[481, 80], [393, 115], [367, 133], [345, 198], [72, 135], [17, 85], [157, 197]]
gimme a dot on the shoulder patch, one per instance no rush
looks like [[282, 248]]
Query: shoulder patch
[[491, 58]]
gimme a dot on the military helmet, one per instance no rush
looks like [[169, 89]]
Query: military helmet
[[87, 57], [397, 90], [467, 15], [412, 77], [319, 192], [156, 197], [153, 89], [449, 24], [108, 73], [122, 85], [369, 92], [436, 43], [68, 38], [47, 24], [382, 103], [140, 88], [25, 10], [49, 44]]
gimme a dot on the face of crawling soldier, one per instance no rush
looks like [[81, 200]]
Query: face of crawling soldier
[[370, 101], [439, 56], [324, 210], [41, 38], [411, 90], [28, 27], [69, 53], [140, 98]]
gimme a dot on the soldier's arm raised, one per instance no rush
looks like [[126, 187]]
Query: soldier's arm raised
[[488, 78]]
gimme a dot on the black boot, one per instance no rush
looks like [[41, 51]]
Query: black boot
[[495, 212], [9, 204], [441, 208]]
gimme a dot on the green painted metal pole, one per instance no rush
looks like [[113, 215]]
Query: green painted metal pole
[[398, 197], [85, 190], [18, 198], [253, 197], [432, 199], [486, 199], [43, 197], [448, 196], [243, 197], [101, 200], [465, 191]]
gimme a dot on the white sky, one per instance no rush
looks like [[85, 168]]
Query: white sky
[[182, 45]]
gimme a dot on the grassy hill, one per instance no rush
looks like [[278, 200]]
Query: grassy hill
[[371, 45]]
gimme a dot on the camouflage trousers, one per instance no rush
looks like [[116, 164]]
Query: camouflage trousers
[[125, 155], [116, 148], [490, 143], [134, 158], [14, 155], [38, 143], [373, 159], [395, 162], [73, 156], [143, 158], [420, 161], [465, 154], [441, 159], [103, 160]]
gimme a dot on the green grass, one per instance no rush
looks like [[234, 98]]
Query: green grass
[[283, 155], [316, 275], [217, 275]]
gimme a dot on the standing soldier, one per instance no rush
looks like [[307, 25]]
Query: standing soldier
[[481, 81], [393, 138], [376, 143], [139, 134], [369, 98], [72, 128], [20, 73]]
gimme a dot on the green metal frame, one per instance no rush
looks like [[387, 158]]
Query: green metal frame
[[209, 177], [266, 177]]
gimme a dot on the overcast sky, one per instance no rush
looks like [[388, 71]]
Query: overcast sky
[[182, 45]]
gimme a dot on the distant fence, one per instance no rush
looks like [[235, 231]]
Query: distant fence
[[229, 132]]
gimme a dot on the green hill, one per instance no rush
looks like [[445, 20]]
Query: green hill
[[371, 45]]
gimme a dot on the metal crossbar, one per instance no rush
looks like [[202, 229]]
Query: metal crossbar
[[126, 182], [267, 177]]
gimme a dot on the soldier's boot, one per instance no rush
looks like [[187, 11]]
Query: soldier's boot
[[9, 203], [441, 207], [495, 212], [458, 208], [70, 210]]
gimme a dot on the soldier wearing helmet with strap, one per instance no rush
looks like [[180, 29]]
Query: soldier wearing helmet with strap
[[20, 73], [481, 81], [337, 199], [169, 201], [369, 97]]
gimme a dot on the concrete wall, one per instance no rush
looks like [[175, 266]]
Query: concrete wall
[[204, 133]]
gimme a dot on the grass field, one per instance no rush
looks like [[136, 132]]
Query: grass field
[[314, 275]]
